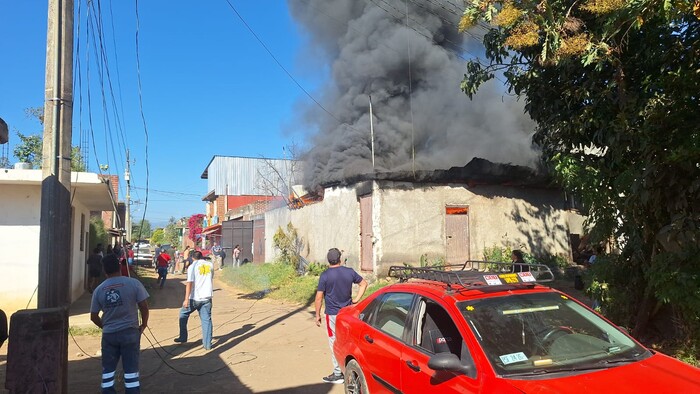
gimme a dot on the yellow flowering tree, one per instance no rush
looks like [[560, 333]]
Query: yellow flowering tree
[[614, 86]]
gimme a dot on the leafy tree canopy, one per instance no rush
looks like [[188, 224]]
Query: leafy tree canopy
[[141, 230], [613, 86]]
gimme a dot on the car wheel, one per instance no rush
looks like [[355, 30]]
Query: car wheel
[[355, 382]]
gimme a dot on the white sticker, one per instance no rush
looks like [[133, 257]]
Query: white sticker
[[492, 280], [513, 358], [526, 277]]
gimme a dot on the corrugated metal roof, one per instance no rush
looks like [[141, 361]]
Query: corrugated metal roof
[[239, 176]]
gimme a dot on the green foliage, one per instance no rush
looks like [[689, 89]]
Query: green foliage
[[290, 244], [141, 230], [98, 234], [427, 262], [614, 94], [89, 331], [29, 149], [172, 233], [260, 277], [300, 290], [158, 236], [316, 269]]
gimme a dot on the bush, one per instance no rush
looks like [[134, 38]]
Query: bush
[[316, 269], [289, 244], [259, 277]]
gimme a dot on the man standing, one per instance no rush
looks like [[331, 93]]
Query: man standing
[[335, 288], [237, 256], [94, 263], [199, 290], [162, 267], [118, 297], [217, 251]]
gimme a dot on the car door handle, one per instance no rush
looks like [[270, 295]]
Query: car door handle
[[369, 339], [413, 366]]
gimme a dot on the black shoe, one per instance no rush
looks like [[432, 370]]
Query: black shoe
[[178, 340], [333, 378]]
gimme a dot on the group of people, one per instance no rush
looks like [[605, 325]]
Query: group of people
[[121, 299], [124, 256]]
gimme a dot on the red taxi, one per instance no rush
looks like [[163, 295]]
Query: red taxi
[[481, 328]]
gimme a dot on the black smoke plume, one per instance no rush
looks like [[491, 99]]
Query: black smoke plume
[[366, 44]]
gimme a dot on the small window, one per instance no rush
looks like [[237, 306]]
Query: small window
[[391, 316]]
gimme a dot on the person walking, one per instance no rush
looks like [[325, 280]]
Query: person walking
[[218, 252], [187, 258], [335, 289], [199, 290], [119, 299], [237, 256], [162, 267], [94, 263], [519, 264]]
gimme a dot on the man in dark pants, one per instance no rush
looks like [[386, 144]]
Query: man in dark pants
[[335, 288], [120, 298], [199, 291]]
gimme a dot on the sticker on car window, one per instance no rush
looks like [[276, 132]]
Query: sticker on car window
[[513, 358], [470, 308]]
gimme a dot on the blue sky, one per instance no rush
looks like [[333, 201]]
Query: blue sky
[[208, 87]]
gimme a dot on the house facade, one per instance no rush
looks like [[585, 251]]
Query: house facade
[[383, 222], [20, 212]]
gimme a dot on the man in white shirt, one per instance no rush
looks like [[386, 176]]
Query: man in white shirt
[[199, 290]]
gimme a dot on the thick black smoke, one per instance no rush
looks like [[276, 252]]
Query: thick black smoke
[[367, 43]]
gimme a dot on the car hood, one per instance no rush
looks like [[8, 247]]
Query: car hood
[[658, 373]]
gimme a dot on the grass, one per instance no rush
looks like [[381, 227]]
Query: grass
[[87, 331], [280, 282]]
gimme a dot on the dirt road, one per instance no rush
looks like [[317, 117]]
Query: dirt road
[[260, 346]]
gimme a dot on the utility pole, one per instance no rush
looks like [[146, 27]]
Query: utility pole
[[38, 348], [127, 214]]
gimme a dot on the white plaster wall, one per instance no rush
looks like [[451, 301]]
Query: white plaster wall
[[334, 222], [412, 221], [78, 257], [19, 246]]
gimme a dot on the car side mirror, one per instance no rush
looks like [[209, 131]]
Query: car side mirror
[[447, 362]]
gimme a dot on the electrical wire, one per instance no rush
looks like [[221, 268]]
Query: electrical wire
[[143, 117]]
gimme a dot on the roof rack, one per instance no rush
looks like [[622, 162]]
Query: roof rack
[[474, 273]]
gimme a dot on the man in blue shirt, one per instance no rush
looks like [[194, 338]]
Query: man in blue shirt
[[335, 288]]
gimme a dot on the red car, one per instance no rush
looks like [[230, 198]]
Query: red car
[[462, 329]]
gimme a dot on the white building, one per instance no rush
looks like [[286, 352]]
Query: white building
[[20, 211]]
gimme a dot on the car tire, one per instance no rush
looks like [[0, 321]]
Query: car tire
[[355, 382]]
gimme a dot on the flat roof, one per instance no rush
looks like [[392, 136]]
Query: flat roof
[[87, 187]]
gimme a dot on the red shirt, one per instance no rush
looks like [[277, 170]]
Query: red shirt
[[163, 259]]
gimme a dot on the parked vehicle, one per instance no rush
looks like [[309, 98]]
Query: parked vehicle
[[481, 328], [143, 253]]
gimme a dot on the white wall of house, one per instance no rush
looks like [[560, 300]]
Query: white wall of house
[[409, 221], [20, 214], [19, 246], [333, 223], [412, 221]]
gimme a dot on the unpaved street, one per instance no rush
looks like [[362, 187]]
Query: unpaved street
[[261, 346]]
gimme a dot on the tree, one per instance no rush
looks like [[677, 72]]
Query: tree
[[194, 224], [172, 233], [613, 86], [158, 236], [141, 230], [29, 150]]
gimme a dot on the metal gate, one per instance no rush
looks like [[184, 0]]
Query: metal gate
[[237, 232], [259, 241]]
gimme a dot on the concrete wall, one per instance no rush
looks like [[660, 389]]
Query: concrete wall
[[19, 246], [79, 257], [409, 221], [412, 221], [20, 212], [334, 222]]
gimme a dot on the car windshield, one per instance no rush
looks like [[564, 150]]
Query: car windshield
[[536, 333]]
